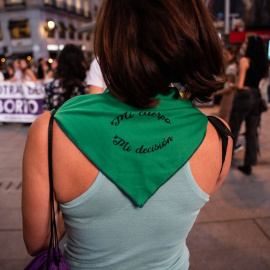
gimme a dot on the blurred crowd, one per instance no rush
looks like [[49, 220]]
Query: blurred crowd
[[22, 70], [243, 98], [63, 78], [43, 70]]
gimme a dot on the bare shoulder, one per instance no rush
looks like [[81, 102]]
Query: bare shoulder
[[41, 122], [38, 129], [207, 161]]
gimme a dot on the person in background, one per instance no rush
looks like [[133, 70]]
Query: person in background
[[69, 78], [228, 92], [94, 79], [253, 68], [40, 73], [47, 72], [27, 73], [18, 73], [10, 71], [2, 77], [248, 4], [54, 65], [134, 165], [268, 86]]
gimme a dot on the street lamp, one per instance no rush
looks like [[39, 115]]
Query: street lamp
[[50, 25]]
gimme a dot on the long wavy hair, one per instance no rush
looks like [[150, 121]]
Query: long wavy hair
[[143, 46], [71, 69], [256, 52]]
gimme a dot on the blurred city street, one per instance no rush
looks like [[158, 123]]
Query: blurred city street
[[232, 231], [47, 56]]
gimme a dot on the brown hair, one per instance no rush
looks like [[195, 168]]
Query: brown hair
[[233, 52], [143, 46], [71, 69]]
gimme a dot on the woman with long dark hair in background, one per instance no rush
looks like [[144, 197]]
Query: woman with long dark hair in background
[[246, 107], [69, 78], [47, 72], [10, 72]]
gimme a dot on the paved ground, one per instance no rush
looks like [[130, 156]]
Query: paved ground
[[232, 231]]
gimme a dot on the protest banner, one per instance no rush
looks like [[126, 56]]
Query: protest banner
[[20, 102]]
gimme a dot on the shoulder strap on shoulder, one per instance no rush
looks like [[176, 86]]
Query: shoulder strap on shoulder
[[223, 132], [53, 236], [50, 135]]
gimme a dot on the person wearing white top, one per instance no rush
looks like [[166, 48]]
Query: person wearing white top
[[2, 78], [228, 92], [17, 71], [95, 79]]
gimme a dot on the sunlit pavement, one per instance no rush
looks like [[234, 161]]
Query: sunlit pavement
[[231, 232]]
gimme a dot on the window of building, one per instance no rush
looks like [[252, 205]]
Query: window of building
[[19, 29], [80, 36], [70, 6], [49, 2], [78, 7], [87, 37], [51, 33], [50, 28], [62, 30], [71, 31], [14, 2], [61, 4], [86, 8]]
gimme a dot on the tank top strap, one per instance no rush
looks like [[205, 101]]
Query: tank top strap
[[223, 132]]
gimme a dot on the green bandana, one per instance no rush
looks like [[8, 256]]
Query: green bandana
[[138, 150]]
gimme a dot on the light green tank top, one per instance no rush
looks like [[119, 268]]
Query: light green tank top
[[106, 230]]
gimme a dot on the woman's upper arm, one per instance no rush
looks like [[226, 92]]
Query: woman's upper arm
[[206, 162], [35, 187], [243, 67], [32, 75]]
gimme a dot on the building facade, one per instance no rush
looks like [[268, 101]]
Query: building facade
[[41, 28]]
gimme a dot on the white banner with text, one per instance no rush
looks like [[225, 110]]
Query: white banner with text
[[20, 102]]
